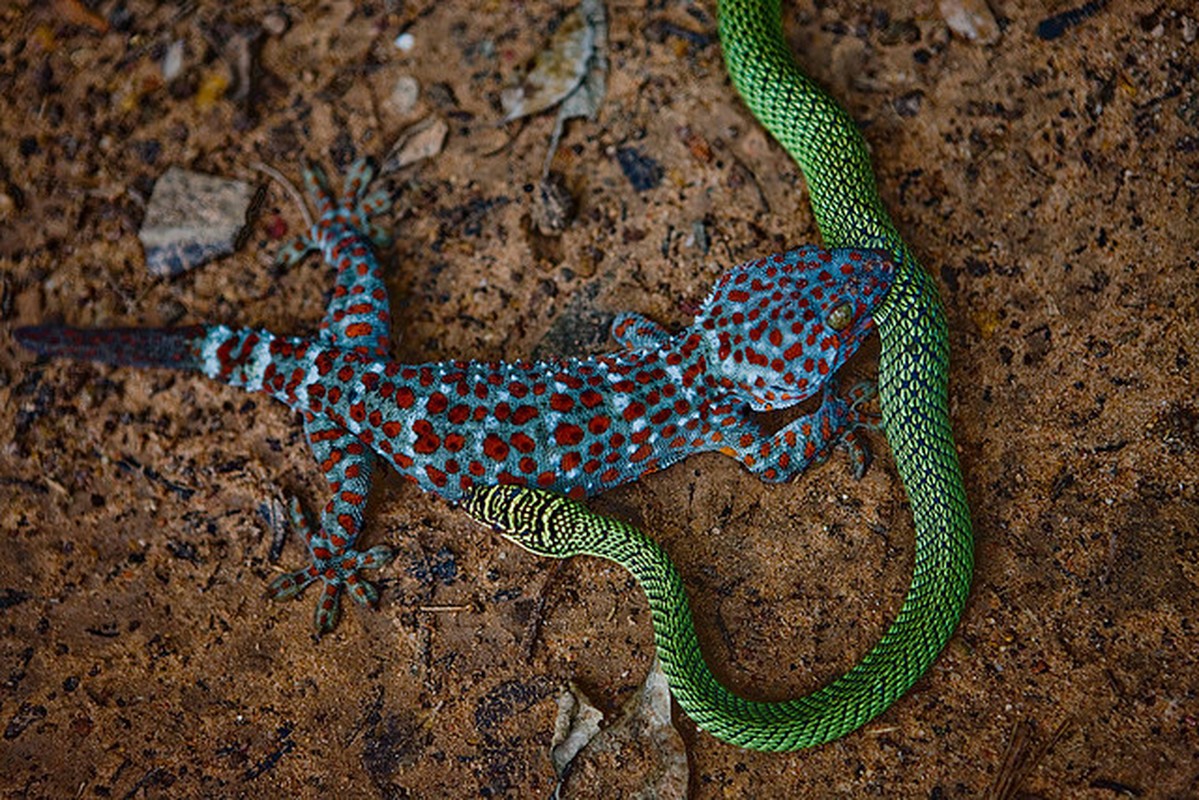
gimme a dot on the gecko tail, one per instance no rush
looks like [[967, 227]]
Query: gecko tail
[[173, 348]]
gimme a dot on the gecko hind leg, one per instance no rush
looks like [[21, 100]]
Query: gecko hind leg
[[348, 466], [356, 207], [317, 188], [359, 311], [363, 203]]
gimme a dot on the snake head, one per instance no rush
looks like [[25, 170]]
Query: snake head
[[542, 522], [774, 329]]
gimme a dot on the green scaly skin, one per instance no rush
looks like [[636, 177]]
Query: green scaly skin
[[913, 366], [913, 386], [551, 525]]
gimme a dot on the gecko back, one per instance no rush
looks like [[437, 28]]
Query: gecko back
[[770, 335]]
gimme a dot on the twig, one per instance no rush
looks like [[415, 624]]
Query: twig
[[289, 187]]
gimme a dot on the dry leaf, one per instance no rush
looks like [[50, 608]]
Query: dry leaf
[[559, 70], [577, 724], [640, 756], [420, 140]]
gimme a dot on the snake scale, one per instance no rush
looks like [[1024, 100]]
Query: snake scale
[[913, 389]]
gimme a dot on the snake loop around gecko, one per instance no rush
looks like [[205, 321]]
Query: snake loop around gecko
[[913, 387]]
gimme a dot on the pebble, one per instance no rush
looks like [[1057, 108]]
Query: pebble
[[191, 219], [404, 95], [172, 62], [970, 19]]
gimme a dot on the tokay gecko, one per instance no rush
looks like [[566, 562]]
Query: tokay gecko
[[770, 335]]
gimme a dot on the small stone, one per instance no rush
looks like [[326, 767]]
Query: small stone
[[1189, 29], [404, 94], [192, 218], [172, 61], [970, 19], [276, 23], [405, 42]]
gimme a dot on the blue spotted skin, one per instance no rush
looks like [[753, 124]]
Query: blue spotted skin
[[771, 334]]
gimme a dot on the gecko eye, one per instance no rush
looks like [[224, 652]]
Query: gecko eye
[[840, 317]]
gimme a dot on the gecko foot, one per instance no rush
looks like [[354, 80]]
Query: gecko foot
[[859, 416], [338, 571]]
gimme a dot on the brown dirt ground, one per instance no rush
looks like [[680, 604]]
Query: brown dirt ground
[[1050, 186]]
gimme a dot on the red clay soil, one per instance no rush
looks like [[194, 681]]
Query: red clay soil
[[1049, 185]]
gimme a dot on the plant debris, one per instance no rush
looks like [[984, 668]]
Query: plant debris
[[641, 755]]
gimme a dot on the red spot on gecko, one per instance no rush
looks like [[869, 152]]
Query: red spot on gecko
[[427, 441], [524, 414], [568, 434], [435, 475], [494, 447]]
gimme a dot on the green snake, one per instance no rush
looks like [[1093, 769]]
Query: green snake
[[913, 390]]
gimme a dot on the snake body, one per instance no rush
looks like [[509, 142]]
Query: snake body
[[913, 390], [913, 364]]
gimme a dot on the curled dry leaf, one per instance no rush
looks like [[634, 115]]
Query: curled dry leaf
[[577, 724], [418, 141], [560, 69], [640, 755]]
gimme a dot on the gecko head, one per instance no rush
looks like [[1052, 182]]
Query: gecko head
[[776, 328]]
